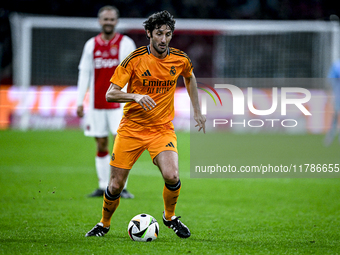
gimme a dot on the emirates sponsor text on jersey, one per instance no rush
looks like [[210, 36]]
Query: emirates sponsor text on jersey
[[105, 63]]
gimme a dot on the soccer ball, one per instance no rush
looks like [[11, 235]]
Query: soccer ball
[[143, 227]]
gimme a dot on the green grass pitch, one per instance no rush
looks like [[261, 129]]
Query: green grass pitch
[[46, 175]]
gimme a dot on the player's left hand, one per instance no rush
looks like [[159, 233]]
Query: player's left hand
[[145, 101], [200, 119]]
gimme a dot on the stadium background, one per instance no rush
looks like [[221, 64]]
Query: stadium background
[[55, 53]]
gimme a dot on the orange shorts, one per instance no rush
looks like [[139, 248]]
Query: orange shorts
[[133, 139]]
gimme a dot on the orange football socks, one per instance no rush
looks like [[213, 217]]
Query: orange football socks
[[110, 205], [170, 196]]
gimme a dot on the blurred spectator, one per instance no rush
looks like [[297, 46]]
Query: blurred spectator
[[334, 79]]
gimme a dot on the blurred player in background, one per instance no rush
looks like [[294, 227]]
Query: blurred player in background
[[100, 57], [151, 73], [334, 78]]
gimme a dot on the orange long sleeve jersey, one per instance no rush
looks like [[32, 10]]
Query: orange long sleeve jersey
[[149, 75]]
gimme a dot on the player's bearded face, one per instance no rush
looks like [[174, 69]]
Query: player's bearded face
[[160, 39], [108, 21]]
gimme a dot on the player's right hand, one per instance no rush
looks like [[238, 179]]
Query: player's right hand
[[200, 119], [145, 101], [80, 111]]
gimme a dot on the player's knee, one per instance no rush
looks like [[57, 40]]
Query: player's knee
[[116, 187], [171, 178]]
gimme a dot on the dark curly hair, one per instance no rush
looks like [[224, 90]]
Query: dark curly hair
[[157, 20]]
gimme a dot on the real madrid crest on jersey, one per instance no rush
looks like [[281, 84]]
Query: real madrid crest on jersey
[[173, 71]]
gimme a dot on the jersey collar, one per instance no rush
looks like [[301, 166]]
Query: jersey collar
[[103, 42]]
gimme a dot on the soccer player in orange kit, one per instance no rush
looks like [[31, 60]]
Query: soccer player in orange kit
[[151, 73]]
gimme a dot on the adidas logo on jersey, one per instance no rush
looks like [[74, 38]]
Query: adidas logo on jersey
[[146, 73], [170, 145]]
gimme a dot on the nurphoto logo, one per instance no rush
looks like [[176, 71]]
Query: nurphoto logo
[[238, 105]]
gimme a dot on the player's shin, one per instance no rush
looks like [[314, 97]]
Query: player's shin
[[110, 205], [170, 196]]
